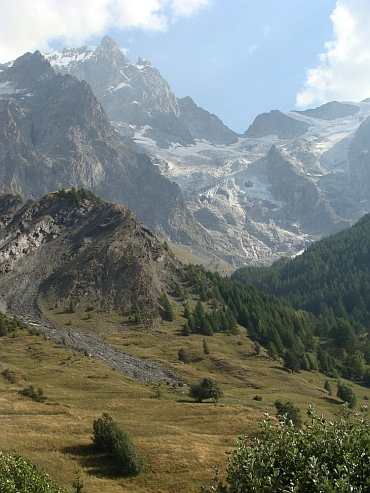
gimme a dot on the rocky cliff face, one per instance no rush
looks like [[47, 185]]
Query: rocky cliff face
[[96, 252], [137, 98], [55, 134]]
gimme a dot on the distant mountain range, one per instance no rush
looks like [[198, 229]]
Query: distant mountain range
[[289, 180], [55, 134]]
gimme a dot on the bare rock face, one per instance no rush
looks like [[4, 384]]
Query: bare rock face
[[276, 123], [96, 252], [331, 111], [359, 159], [55, 134], [304, 202], [137, 98]]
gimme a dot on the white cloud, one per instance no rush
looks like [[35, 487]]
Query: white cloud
[[343, 72], [28, 25]]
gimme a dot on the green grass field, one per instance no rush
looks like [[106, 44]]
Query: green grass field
[[180, 440]]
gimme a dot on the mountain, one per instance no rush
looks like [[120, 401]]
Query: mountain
[[329, 280], [276, 123], [137, 96], [72, 247], [289, 180], [55, 134]]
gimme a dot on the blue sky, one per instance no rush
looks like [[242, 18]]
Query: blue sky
[[235, 58]]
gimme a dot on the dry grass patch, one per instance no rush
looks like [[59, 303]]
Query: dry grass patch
[[180, 440]]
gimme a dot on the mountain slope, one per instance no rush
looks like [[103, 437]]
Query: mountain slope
[[332, 275], [55, 134], [137, 96], [66, 248]]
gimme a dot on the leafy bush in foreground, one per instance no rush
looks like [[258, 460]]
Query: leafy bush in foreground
[[109, 438], [323, 456], [18, 475]]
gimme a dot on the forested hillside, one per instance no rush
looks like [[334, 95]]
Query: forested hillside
[[285, 332], [330, 280]]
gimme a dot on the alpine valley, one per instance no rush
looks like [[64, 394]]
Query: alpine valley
[[108, 183], [289, 180]]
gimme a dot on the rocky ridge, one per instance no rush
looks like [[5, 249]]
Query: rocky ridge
[[137, 98], [95, 251], [55, 134]]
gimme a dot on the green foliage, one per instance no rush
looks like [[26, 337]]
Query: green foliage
[[346, 393], [331, 280], [110, 439], [185, 331], [18, 475], [183, 355], [323, 456], [168, 313], [206, 350], [288, 412], [327, 387], [71, 307], [291, 361], [35, 395], [9, 324], [206, 389], [76, 197]]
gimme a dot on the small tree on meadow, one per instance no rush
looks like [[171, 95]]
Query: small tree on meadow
[[346, 393], [110, 439], [206, 389], [288, 412]]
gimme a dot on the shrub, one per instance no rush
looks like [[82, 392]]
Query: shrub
[[110, 439], [18, 475], [347, 394], [206, 389], [288, 412], [183, 355], [322, 456], [35, 395]]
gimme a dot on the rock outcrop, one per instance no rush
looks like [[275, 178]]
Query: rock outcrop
[[94, 251]]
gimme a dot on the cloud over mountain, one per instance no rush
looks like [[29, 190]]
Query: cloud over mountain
[[30, 25], [343, 72]]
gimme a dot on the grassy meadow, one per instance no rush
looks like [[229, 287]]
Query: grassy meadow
[[180, 440]]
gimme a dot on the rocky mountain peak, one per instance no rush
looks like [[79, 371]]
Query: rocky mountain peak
[[276, 123], [143, 62], [28, 70], [138, 99], [110, 51]]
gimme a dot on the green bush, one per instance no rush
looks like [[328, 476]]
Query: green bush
[[323, 456], [110, 439], [347, 394], [35, 395], [18, 475], [206, 389], [288, 412]]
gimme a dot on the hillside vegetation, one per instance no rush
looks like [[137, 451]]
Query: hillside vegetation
[[111, 302], [331, 281]]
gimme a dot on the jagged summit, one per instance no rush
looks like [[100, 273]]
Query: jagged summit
[[55, 134], [27, 70], [137, 99]]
